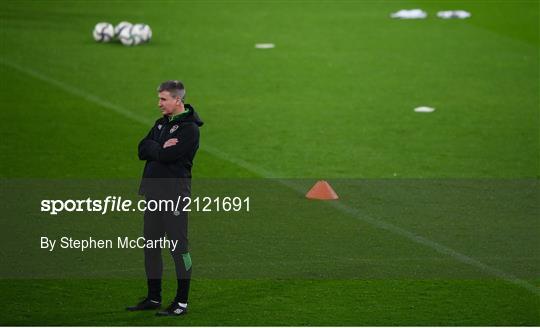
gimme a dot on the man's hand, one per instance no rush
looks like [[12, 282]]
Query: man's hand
[[170, 142]]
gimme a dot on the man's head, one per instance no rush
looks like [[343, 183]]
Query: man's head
[[171, 97]]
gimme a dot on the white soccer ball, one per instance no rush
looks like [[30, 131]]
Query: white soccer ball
[[138, 33], [127, 38], [148, 33], [103, 32], [141, 32], [122, 25]]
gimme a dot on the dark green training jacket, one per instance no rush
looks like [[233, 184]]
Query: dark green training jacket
[[169, 168]]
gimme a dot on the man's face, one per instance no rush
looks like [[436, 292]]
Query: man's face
[[167, 103]]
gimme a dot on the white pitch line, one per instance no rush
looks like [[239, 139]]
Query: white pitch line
[[75, 91], [130, 115], [266, 174], [355, 213], [436, 247]]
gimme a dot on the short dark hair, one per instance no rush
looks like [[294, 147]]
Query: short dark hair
[[175, 88]]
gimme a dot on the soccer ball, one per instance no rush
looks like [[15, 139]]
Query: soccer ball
[[127, 38], [103, 32], [122, 25], [148, 33], [141, 32]]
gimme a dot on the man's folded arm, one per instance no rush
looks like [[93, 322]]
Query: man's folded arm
[[149, 148], [187, 140]]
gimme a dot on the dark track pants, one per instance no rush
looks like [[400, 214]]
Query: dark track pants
[[175, 227]]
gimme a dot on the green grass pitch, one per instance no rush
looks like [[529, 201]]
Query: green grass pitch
[[438, 217]]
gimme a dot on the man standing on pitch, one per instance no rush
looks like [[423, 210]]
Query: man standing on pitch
[[168, 149]]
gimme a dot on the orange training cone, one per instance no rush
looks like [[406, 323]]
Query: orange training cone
[[322, 190]]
